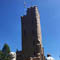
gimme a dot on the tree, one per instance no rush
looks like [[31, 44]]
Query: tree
[[5, 52], [6, 49], [2, 56]]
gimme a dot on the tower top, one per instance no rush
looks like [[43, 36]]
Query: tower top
[[33, 14], [29, 9]]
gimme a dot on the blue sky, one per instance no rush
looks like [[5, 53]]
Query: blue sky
[[10, 24]]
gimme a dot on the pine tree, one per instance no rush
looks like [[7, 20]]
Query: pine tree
[[5, 52], [6, 49]]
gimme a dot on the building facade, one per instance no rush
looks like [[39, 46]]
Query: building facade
[[31, 36]]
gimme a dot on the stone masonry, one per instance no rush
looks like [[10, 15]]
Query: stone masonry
[[31, 36]]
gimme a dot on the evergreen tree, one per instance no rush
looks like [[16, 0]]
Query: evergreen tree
[[4, 54], [6, 49]]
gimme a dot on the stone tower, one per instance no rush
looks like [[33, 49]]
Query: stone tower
[[31, 35]]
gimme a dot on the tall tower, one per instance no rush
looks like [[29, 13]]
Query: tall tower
[[31, 36], [31, 33]]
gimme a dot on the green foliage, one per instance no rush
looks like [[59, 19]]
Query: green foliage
[[6, 49], [4, 54], [1, 54]]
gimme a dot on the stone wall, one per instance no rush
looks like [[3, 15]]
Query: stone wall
[[31, 36]]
